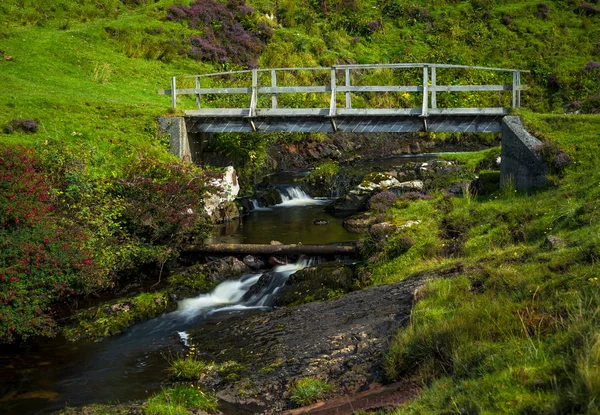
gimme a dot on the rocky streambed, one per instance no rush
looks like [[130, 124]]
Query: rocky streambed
[[341, 341]]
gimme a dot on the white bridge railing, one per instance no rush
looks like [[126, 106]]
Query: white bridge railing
[[429, 89]]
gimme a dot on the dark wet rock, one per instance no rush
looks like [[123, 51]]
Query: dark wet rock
[[225, 213], [270, 197], [341, 341], [348, 203], [554, 242], [459, 189], [322, 282], [485, 184], [203, 277], [245, 205], [275, 260], [320, 222], [253, 262]]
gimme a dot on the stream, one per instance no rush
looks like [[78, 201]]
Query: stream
[[46, 376]]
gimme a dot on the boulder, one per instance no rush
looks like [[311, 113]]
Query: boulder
[[253, 262], [270, 197], [349, 203], [227, 189], [375, 182], [225, 213], [325, 281], [553, 242]]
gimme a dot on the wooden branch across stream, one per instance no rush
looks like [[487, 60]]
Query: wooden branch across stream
[[267, 249]]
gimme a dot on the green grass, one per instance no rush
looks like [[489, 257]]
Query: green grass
[[309, 390], [190, 368], [181, 400], [517, 330]]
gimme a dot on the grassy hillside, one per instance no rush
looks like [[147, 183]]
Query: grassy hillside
[[514, 328]]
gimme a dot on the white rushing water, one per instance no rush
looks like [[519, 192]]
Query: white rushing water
[[228, 295], [294, 196]]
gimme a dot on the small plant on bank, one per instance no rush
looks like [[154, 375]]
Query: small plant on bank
[[189, 368], [309, 390], [181, 400]]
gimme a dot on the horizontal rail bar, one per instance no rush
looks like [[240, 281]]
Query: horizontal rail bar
[[455, 88], [364, 66], [378, 111], [381, 88], [205, 91], [292, 89]]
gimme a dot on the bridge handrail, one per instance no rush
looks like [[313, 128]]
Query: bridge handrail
[[429, 85]]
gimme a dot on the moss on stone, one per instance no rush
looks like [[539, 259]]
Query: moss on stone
[[114, 318], [375, 177], [190, 284], [323, 282]]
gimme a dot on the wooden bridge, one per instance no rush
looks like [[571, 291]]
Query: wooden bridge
[[260, 95]]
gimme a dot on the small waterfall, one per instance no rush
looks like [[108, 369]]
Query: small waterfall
[[295, 196], [256, 207], [231, 295]]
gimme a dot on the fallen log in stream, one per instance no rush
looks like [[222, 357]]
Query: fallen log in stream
[[266, 249]]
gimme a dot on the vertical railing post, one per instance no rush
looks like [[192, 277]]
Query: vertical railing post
[[332, 104], [174, 92], [348, 97], [514, 90], [519, 89], [273, 85], [425, 91], [198, 92], [433, 85], [254, 98]]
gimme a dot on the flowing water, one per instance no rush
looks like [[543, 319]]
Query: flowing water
[[289, 222], [293, 221], [125, 367]]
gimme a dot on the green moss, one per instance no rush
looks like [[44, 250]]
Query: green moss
[[190, 283], [374, 177], [116, 317], [267, 370]]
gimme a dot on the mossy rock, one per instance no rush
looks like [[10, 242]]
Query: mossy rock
[[201, 278], [271, 197], [115, 317], [324, 282], [189, 284]]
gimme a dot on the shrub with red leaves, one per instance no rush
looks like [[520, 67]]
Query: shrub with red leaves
[[163, 201], [41, 256]]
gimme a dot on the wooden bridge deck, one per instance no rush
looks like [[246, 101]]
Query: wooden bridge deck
[[345, 118]]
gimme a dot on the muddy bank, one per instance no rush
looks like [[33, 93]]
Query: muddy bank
[[340, 341]]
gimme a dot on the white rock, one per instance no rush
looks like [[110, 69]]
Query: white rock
[[411, 185], [228, 189]]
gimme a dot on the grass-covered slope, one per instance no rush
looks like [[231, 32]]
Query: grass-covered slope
[[515, 329]]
